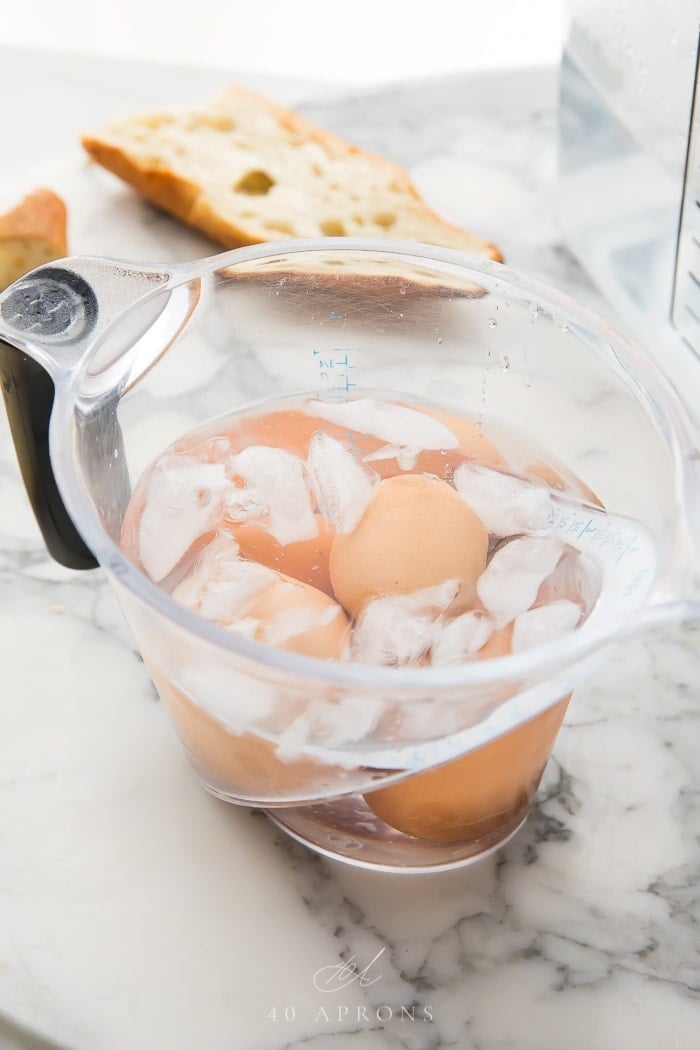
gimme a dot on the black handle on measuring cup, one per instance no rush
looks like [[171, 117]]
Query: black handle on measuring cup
[[28, 393], [50, 320], [55, 304]]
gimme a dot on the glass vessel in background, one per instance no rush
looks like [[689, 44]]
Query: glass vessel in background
[[629, 150]]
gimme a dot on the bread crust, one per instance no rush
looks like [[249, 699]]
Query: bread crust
[[189, 201], [167, 190], [41, 214]]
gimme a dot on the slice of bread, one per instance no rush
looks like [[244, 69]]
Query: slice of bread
[[31, 234], [245, 171]]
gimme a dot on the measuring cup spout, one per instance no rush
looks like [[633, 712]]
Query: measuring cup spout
[[49, 321]]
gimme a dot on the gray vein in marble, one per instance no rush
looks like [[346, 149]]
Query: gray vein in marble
[[650, 934]]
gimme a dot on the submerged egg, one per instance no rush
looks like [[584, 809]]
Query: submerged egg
[[305, 560], [415, 533], [293, 616], [262, 603], [472, 444], [561, 480], [476, 795]]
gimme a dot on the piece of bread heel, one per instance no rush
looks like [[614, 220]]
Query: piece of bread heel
[[243, 170], [32, 233]]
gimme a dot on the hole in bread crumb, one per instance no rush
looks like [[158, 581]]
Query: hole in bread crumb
[[317, 169], [279, 226], [384, 219], [332, 228], [358, 219], [254, 183]]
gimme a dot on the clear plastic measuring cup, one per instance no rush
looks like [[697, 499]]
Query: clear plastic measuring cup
[[128, 358]]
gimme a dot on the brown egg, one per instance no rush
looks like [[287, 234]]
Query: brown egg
[[289, 429], [292, 430], [306, 560], [294, 616], [472, 444], [477, 795], [499, 644], [563, 481], [415, 533], [242, 764]]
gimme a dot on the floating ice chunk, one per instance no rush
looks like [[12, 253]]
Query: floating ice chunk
[[278, 478], [544, 624], [509, 584], [235, 699], [405, 456], [245, 504], [341, 487], [401, 629], [394, 424], [220, 583], [505, 504], [462, 637], [387, 634], [248, 627], [577, 578], [183, 498], [428, 600], [329, 721]]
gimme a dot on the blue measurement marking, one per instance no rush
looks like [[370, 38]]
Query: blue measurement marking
[[622, 541], [334, 366]]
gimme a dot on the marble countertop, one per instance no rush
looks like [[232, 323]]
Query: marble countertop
[[138, 912]]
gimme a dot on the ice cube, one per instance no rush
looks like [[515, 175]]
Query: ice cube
[[248, 627], [576, 577], [329, 721], [387, 634], [395, 424], [428, 600], [509, 584], [405, 456], [245, 504], [400, 629], [544, 624], [220, 583], [460, 638], [506, 505], [279, 479], [183, 499], [341, 487]]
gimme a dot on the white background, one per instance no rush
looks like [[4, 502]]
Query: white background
[[339, 41]]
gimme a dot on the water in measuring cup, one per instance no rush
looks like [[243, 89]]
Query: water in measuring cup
[[380, 530]]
